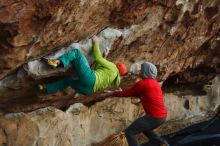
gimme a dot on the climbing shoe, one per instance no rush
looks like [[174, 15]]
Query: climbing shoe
[[52, 63], [41, 87]]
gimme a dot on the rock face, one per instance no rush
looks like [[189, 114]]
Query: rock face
[[181, 37], [33, 28], [178, 36]]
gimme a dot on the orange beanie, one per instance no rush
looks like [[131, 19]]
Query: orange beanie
[[122, 68]]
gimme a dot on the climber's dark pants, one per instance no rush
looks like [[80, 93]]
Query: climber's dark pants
[[145, 125]]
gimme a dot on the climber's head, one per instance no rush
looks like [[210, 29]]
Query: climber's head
[[122, 68], [148, 70]]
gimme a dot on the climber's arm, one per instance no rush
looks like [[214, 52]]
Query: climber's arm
[[97, 54], [133, 91]]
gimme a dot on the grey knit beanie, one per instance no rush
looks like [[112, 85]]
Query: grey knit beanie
[[148, 70]]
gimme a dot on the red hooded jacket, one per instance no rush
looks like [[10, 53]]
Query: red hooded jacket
[[151, 96]]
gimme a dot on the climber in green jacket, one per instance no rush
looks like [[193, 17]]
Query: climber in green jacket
[[88, 81]]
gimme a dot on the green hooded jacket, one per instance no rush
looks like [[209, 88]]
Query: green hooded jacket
[[105, 71]]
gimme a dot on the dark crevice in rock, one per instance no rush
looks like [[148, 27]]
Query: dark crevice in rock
[[64, 108], [211, 11], [7, 31], [190, 81], [187, 104]]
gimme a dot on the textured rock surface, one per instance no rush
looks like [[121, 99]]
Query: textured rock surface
[[181, 37], [175, 35], [33, 28]]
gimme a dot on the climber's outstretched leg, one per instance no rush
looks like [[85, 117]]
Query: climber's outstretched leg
[[56, 86], [81, 67]]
